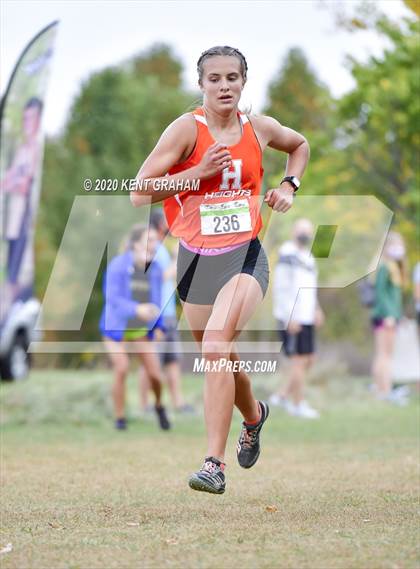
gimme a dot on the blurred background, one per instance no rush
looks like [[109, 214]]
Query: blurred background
[[342, 73], [335, 493]]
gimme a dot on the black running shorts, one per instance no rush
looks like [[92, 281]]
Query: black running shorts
[[302, 343], [200, 277], [171, 345]]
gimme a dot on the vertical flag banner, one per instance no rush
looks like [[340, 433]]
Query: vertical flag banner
[[21, 155]]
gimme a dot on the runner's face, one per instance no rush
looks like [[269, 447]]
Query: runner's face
[[395, 248], [31, 120], [222, 82], [303, 232], [145, 247]]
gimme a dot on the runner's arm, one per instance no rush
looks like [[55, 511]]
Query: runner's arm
[[296, 146], [169, 151], [156, 283], [293, 143], [113, 287]]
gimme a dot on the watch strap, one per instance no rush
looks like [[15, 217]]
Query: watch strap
[[291, 182]]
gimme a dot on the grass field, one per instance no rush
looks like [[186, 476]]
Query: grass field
[[341, 492]]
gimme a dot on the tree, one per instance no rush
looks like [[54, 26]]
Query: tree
[[113, 125], [380, 121], [159, 61], [296, 97], [370, 143], [379, 118], [299, 100]]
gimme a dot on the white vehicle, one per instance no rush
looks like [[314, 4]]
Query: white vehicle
[[16, 334]]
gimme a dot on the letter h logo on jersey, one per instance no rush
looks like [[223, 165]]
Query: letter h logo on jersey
[[233, 176]]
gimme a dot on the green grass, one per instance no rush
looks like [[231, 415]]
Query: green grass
[[341, 492]]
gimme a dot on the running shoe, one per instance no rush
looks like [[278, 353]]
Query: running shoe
[[397, 396], [304, 411], [401, 391], [290, 407], [277, 400], [248, 447], [210, 478], [185, 409], [163, 420], [121, 424]]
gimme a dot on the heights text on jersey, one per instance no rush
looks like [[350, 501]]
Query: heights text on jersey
[[225, 211]]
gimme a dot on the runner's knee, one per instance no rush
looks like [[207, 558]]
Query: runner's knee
[[121, 367], [215, 347]]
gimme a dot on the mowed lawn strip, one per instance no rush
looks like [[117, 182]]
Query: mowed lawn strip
[[338, 493]]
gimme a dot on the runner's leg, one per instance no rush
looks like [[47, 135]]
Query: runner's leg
[[152, 369], [120, 365], [144, 388], [198, 316], [233, 307]]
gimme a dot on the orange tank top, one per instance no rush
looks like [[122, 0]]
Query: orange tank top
[[225, 210]]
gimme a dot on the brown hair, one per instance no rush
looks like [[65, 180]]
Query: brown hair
[[136, 233], [221, 50]]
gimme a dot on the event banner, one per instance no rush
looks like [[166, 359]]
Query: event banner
[[21, 166]]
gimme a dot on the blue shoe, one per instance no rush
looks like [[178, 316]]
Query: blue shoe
[[121, 424]]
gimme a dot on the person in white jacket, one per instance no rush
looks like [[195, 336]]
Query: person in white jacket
[[296, 309]]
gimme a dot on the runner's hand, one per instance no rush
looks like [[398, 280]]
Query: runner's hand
[[319, 317], [147, 311], [389, 322], [294, 327], [280, 199], [216, 158], [159, 336]]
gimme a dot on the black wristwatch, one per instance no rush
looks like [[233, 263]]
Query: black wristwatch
[[293, 181]]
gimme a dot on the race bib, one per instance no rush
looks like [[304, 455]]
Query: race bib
[[227, 217]]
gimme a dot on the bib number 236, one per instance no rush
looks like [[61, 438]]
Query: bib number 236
[[227, 217]]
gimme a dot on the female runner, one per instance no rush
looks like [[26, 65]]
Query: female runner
[[132, 294], [222, 268]]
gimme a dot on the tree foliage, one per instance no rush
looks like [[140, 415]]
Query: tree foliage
[[369, 140], [296, 97], [380, 121], [299, 100], [159, 61], [365, 143], [113, 125]]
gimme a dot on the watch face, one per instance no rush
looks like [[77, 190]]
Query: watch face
[[295, 181]]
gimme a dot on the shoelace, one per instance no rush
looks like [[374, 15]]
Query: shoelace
[[248, 437], [211, 467]]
